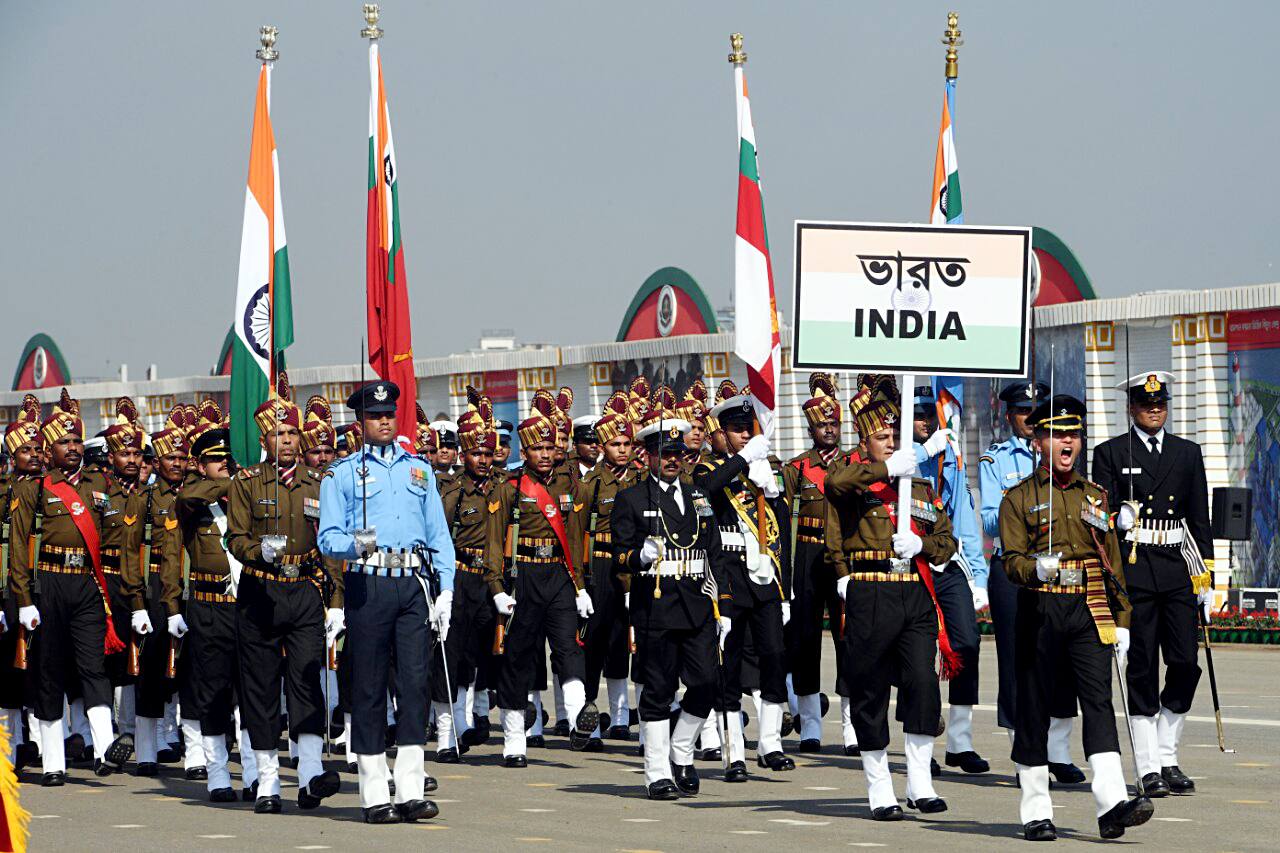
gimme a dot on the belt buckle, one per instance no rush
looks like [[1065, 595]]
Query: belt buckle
[[394, 560], [73, 560], [544, 551], [289, 570], [899, 566], [1071, 577]]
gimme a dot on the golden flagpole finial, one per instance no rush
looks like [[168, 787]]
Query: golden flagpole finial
[[372, 31], [951, 38], [735, 43], [267, 35]]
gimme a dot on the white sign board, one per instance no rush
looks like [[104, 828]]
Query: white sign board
[[934, 299]]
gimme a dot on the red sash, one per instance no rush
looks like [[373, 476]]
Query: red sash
[[530, 487], [80, 517], [814, 474], [951, 662]]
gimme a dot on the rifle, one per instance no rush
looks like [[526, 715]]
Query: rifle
[[4, 535], [33, 551], [509, 552]]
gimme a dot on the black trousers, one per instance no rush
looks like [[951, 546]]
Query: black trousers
[[890, 622], [154, 689], [280, 634], [1057, 631], [813, 598], [212, 657], [607, 639], [386, 617], [1164, 624], [122, 619], [70, 635], [469, 645], [764, 619], [544, 608], [955, 599], [1004, 610], [668, 656]]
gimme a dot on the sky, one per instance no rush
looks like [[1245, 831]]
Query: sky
[[553, 154]]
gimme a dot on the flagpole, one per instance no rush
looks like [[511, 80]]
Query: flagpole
[[268, 55], [951, 38], [372, 32]]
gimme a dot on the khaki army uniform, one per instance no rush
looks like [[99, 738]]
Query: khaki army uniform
[[156, 509]]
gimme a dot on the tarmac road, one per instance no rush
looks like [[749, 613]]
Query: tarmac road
[[574, 801]]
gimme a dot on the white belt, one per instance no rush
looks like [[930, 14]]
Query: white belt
[[1146, 536], [391, 560], [694, 568], [733, 538]]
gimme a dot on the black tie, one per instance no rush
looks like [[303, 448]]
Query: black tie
[[670, 505], [1155, 446]]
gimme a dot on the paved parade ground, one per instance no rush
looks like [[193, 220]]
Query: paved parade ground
[[576, 801]]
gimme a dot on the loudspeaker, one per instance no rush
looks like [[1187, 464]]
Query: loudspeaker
[[1233, 513]]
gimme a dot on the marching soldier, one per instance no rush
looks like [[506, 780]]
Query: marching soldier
[[1003, 466], [1062, 553], [281, 619], [693, 408], [1157, 481], [319, 439], [381, 512], [536, 520], [961, 584], [502, 454], [891, 608], [446, 433], [348, 440], [665, 538], [586, 448], [755, 578], [606, 637], [209, 624], [56, 555], [467, 651], [813, 582]]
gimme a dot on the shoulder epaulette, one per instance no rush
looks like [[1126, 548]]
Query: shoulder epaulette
[[985, 458], [995, 445], [249, 473], [313, 473]]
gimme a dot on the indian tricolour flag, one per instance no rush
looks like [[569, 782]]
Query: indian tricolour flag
[[756, 339], [264, 307], [946, 208]]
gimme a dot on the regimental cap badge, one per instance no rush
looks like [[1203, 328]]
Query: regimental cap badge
[[1153, 384], [282, 412], [380, 392], [674, 432]]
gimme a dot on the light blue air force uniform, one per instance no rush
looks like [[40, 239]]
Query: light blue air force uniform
[[1003, 466], [956, 497]]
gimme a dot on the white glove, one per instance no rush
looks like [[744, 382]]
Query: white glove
[[584, 604], [1205, 600], [902, 463], [141, 622], [1126, 517], [334, 622], [269, 553], [842, 587], [937, 442], [726, 625], [907, 545], [786, 613], [365, 543], [29, 617], [756, 449], [1047, 567], [760, 473], [177, 626], [504, 603], [1122, 644], [626, 601], [4, 623], [442, 612], [651, 550], [980, 598]]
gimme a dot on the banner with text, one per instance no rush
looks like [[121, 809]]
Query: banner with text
[[912, 298]]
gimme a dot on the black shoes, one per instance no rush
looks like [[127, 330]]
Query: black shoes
[[968, 762], [385, 813], [1066, 774], [709, 755], [561, 728], [447, 756], [934, 770], [1154, 786], [887, 813], [267, 805], [169, 755], [928, 805], [618, 733], [789, 723], [250, 794], [197, 774], [583, 726], [56, 779], [852, 750], [594, 744], [776, 761], [102, 768], [530, 716], [537, 741], [686, 777], [810, 745], [147, 768], [120, 750], [1179, 782], [324, 785], [1040, 830], [417, 810], [1133, 812], [73, 748], [429, 784], [663, 789], [222, 795], [514, 761], [737, 772]]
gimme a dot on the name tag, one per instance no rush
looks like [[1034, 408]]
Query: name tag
[[1130, 470], [527, 500], [1037, 508], [266, 502], [650, 513], [367, 481], [606, 501], [1013, 475], [808, 485], [471, 511], [55, 500], [110, 513]]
